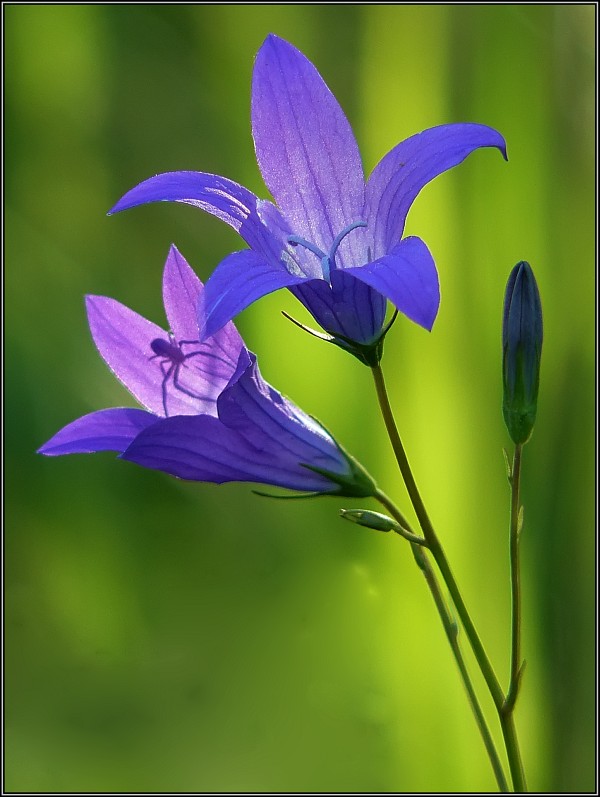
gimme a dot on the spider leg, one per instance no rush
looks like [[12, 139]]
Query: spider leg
[[180, 387], [208, 355], [167, 373], [191, 354]]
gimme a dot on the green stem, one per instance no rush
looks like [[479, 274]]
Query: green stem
[[433, 541], [437, 551], [516, 665], [451, 630], [515, 578]]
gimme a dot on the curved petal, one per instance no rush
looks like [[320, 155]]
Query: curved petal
[[269, 420], [305, 147], [408, 278], [240, 279], [201, 448], [105, 430], [182, 291], [223, 198], [406, 169]]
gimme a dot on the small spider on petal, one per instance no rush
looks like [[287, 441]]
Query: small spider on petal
[[209, 416]]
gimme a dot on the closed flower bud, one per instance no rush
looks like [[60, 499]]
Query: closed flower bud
[[372, 520], [522, 334]]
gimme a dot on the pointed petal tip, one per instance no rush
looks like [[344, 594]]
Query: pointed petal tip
[[428, 325], [90, 302], [497, 140], [115, 209], [94, 303], [502, 147], [274, 40], [175, 261]]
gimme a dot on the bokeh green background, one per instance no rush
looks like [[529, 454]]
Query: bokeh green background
[[163, 635]]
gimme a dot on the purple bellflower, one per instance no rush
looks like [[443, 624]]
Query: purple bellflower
[[209, 414], [332, 239]]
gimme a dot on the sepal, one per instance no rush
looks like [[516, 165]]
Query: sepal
[[356, 483], [369, 354]]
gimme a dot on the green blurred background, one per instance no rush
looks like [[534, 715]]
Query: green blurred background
[[170, 636]]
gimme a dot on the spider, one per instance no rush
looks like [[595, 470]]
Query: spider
[[172, 353]]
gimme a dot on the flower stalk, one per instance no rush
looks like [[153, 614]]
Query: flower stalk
[[420, 555], [516, 664], [505, 713]]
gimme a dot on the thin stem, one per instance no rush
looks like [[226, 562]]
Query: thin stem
[[434, 543], [435, 546], [511, 742], [516, 665], [451, 630], [515, 577]]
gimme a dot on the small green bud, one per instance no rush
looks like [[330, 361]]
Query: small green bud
[[372, 520], [522, 334]]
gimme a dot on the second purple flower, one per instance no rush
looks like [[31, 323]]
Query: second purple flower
[[209, 415]]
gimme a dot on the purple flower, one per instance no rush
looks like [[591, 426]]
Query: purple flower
[[209, 414], [332, 239]]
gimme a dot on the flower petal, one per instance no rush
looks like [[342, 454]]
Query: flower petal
[[124, 339], [267, 419], [201, 448], [182, 291], [406, 169], [347, 307], [305, 147], [223, 198], [408, 278], [105, 430], [237, 281]]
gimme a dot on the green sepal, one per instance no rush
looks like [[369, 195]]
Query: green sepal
[[313, 332], [368, 353], [357, 484], [296, 496], [508, 466]]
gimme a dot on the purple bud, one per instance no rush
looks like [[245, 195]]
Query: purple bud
[[522, 334]]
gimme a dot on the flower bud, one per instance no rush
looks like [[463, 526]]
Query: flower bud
[[522, 334], [372, 520]]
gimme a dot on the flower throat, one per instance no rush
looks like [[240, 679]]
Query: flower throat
[[327, 260]]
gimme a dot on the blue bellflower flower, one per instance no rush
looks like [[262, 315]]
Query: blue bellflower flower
[[332, 239], [209, 416]]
